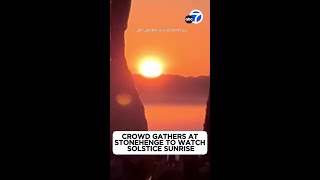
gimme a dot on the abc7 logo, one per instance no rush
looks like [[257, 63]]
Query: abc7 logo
[[194, 17]]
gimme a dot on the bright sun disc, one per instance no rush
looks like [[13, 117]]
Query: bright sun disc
[[151, 69]]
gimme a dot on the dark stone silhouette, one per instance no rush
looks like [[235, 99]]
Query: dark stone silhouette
[[196, 168], [207, 128], [119, 15], [126, 109]]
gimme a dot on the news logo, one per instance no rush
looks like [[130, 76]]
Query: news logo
[[189, 19], [194, 17]]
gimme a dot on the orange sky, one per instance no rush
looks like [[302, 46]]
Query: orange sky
[[181, 53]]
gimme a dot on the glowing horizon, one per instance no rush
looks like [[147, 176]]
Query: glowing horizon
[[183, 53]]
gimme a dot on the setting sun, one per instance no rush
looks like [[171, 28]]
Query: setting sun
[[151, 69]]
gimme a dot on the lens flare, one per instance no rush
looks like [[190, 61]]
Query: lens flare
[[124, 99]]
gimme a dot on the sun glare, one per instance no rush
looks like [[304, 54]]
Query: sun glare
[[151, 69]]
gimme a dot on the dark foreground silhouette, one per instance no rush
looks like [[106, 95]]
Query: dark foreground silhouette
[[186, 168], [127, 113], [207, 128], [126, 109]]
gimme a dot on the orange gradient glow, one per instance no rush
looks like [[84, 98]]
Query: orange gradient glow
[[183, 53]]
